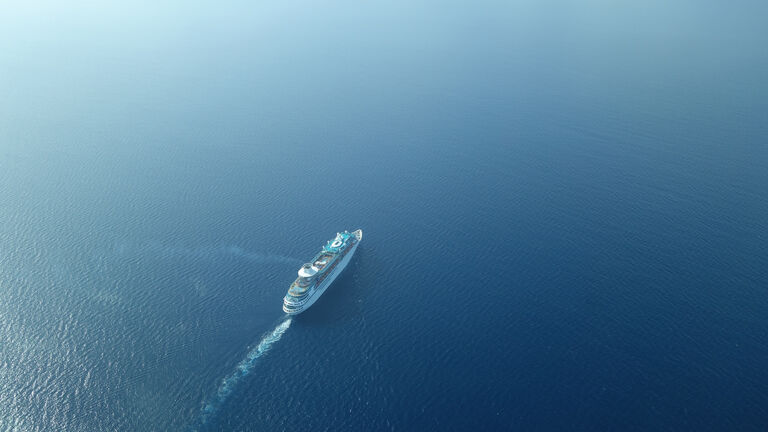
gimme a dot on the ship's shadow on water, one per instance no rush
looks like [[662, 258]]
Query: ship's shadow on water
[[340, 302]]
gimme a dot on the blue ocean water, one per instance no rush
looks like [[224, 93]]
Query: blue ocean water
[[564, 206]]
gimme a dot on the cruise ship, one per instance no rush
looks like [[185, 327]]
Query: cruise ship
[[316, 276]]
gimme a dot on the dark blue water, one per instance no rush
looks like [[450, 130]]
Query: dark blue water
[[564, 206]]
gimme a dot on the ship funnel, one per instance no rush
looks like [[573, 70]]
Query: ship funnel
[[307, 270]]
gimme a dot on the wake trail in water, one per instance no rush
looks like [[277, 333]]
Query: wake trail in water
[[243, 369], [208, 252]]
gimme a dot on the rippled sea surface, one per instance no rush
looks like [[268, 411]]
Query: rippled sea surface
[[564, 206]]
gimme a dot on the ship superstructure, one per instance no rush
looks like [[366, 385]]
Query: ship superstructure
[[316, 276]]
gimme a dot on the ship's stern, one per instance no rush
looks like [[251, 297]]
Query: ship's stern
[[293, 305], [291, 308]]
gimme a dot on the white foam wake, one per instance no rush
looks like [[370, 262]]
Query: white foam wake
[[242, 370]]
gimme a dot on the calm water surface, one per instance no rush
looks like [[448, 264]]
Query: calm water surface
[[564, 207]]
